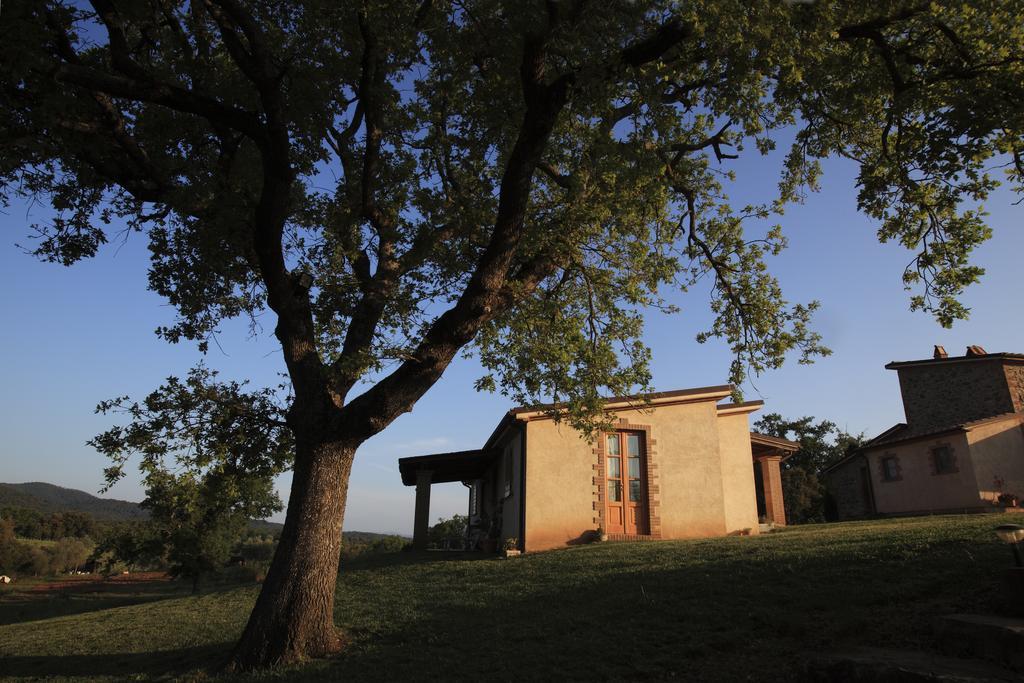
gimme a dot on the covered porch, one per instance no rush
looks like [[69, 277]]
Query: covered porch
[[768, 453], [441, 468]]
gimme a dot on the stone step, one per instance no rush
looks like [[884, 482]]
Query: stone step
[[878, 665], [999, 639]]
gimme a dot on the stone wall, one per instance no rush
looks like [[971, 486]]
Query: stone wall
[[946, 394], [1015, 381], [848, 487]]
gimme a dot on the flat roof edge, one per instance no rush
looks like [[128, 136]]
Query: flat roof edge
[[1002, 355], [737, 408], [633, 402]]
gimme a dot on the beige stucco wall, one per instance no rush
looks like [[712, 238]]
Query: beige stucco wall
[[704, 475], [997, 451], [919, 489], [510, 505], [690, 469], [559, 485], [492, 491], [739, 496]]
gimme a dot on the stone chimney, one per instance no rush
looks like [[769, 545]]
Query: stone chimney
[[975, 351], [940, 352]]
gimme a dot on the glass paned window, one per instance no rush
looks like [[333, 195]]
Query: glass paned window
[[508, 472], [614, 467], [944, 462], [633, 445], [614, 490], [634, 467], [613, 444], [634, 490], [891, 469]]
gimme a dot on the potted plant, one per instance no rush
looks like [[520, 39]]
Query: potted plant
[[1010, 500], [510, 547]]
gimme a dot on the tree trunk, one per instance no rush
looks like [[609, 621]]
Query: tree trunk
[[195, 583], [294, 615]]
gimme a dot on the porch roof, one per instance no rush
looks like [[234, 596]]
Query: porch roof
[[448, 467], [763, 445]]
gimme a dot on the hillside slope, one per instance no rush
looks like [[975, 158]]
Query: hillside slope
[[722, 609], [44, 497], [47, 498]]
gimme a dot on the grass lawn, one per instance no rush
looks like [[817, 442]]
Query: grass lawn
[[738, 608], [34, 599]]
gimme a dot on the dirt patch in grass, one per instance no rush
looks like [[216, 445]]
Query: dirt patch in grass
[[97, 583], [37, 599]]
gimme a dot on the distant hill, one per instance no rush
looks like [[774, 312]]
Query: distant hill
[[43, 497], [47, 498]]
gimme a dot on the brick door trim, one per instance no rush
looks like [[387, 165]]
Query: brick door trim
[[651, 484]]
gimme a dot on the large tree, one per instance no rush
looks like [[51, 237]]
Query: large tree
[[401, 181], [821, 444]]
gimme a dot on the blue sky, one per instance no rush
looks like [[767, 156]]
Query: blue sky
[[73, 336]]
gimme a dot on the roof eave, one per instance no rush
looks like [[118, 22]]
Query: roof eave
[[738, 408], [900, 364], [635, 402]]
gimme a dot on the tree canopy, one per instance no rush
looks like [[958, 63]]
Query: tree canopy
[[402, 181], [390, 142], [822, 443], [209, 451]]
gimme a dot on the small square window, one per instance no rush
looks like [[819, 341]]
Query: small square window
[[891, 468], [945, 463]]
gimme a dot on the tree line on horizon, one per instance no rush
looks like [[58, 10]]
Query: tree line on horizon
[[77, 541]]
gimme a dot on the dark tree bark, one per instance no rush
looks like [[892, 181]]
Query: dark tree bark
[[294, 615]]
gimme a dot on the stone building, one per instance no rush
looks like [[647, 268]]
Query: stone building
[[961, 448], [677, 464]]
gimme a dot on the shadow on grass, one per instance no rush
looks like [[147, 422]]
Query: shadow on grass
[[599, 613], [160, 664], [728, 609], [415, 557], [36, 605], [34, 608]]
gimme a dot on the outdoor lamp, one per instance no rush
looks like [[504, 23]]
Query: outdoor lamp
[[1012, 534]]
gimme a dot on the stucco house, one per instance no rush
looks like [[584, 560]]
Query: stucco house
[[678, 464], [960, 448]]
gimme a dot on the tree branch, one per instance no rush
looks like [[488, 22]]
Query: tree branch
[[716, 142]]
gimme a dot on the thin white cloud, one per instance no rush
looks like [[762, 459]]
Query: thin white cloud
[[382, 468], [423, 446]]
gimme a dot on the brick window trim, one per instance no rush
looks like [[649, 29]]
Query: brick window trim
[[933, 461], [881, 466], [652, 487]]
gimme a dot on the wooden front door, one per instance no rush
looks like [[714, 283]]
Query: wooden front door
[[626, 490]]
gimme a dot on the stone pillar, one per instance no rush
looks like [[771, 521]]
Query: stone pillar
[[771, 479], [421, 522]]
